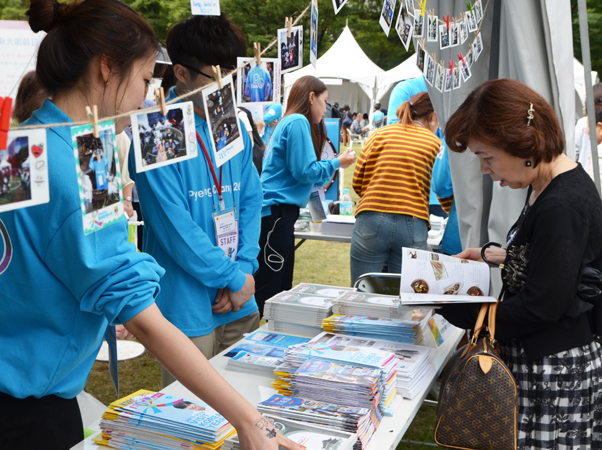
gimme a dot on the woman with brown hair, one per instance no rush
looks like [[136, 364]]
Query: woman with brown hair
[[291, 168], [393, 179], [30, 97], [545, 324]]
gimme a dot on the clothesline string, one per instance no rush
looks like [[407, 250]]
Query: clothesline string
[[186, 95]]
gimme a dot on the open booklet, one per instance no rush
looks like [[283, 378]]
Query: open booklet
[[432, 278]]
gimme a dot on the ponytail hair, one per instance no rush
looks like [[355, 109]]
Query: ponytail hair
[[418, 107]]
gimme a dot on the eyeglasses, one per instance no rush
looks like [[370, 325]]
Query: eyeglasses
[[224, 72]]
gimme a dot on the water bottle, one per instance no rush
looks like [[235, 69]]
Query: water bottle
[[345, 205]]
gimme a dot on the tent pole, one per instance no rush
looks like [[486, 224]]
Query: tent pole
[[589, 91]]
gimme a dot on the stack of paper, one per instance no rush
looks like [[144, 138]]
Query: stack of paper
[[361, 421], [153, 420], [322, 290], [289, 327], [311, 437], [298, 309], [414, 370], [408, 331], [259, 353], [367, 304]]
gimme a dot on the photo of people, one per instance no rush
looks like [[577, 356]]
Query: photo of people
[[469, 58], [258, 84], [433, 22], [419, 56], [418, 24], [465, 69], [440, 78], [429, 69], [313, 34], [463, 32], [338, 5], [161, 140], [443, 37], [386, 15], [454, 35], [290, 50], [456, 77], [98, 175], [449, 79], [471, 22], [477, 47], [222, 118], [405, 28], [478, 11]]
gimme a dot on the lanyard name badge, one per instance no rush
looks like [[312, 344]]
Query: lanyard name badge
[[224, 220]]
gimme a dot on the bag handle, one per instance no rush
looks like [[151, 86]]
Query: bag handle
[[480, 320], [491, 321]]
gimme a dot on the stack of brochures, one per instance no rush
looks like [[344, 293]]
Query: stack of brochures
[[408, 331], [312, 437], [352, 376], [360, 421], [153, 420], [260, 352], [429, 278], [294, 309], [321, 290], [368, 304], [414, 370]]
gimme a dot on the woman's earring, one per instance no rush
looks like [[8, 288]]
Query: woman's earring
[[528, 163], [432, 124]]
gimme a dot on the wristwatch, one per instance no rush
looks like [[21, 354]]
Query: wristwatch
[[127, 199]]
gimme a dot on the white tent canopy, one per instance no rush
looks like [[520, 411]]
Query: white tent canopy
[[579, 74], [347, 61], [387, 81]]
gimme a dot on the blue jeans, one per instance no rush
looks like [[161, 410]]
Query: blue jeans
[[378, 238]]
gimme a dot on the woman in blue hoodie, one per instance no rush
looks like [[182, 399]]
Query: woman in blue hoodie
[[60, 287], [290, 170]]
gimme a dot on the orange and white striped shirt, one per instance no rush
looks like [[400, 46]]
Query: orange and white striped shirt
[[393, 172]]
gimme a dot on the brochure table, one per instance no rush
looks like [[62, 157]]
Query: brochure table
[[256, 388]]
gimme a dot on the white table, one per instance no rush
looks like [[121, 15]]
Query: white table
[[257, 388]]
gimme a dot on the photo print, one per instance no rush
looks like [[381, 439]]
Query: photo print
[[440, 78], [456, 77], [405, 28], [290, 50], [418, 24], [469, 57], [449, 80], [443, 36], [338, 5], [222, 119], [454, 35], [432, 25], [386, 15], [478, 11], [313, 34], [24, 170], [258, 84], [429, 69], [162, 140], [419, 56], [477, 47], [471, 22], [465, 70], [98, 175], [463, 31]]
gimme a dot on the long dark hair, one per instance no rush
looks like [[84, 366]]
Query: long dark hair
[[30, 97], [298, 103]]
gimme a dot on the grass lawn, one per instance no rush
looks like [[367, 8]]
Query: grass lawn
[[315, 262]]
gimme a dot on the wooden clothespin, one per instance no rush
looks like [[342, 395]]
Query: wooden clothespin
[[160, 99], [217, 72], [288, 24], [257, 48], [6, 104], [422, 42], [93, 115]]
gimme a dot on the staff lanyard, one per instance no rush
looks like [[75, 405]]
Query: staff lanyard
[[222, 205]]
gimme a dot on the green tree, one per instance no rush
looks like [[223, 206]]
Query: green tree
[[13, 9], [594, 22]]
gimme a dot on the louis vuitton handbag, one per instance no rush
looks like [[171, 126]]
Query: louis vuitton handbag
[[478, 402]]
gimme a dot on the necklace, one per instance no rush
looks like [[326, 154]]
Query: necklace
[[535, 195], [419, 123]]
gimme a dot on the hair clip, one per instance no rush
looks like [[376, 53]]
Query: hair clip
[[530, 114]]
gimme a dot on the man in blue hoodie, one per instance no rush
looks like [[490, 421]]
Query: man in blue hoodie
[[258, 84], [206, 291]]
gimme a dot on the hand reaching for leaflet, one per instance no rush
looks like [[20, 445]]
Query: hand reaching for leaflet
[[239, 298], [263, 436]]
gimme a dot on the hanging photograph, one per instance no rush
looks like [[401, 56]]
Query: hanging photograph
[[418, 24], [405, 28], [443, 36], [429, 69], [24, 170], [454, 35], [222, 119], [386, 15], [162, 140], [469, 57], [290, 50], [449, 80], [457, 82], [98, 175], [465, 70], [463, 31], [338, 5], [433, 23], [478, 11], [313, 34], [258, 84], [477, 46], [205, 7], [440, 78], [419, 56], [471, 22]]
